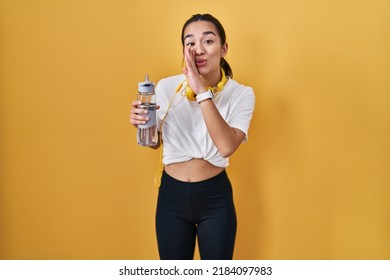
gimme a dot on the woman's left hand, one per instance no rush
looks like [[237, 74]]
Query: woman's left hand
[[191, 72]]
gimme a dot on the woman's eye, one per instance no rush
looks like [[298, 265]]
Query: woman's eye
[[208, 42], [190, 44]]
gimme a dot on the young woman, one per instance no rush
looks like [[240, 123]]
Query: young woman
[[204, 116]]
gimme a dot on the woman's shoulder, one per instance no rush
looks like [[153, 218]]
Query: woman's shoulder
[[171, 81], [235, 86], [167, 87]]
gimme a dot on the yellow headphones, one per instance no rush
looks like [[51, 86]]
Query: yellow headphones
[[191, 94]]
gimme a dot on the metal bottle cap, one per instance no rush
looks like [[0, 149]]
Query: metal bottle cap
[[146, 86]]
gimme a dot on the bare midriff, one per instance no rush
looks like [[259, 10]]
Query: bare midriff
[[194, 170]]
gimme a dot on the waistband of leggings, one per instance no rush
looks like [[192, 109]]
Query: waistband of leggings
[[220, 178]]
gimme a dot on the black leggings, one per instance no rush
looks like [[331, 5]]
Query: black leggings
[[204, 209]]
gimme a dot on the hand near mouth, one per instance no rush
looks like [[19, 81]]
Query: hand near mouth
[[191, 71]]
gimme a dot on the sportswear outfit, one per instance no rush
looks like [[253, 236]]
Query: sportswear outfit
[[204, 209]]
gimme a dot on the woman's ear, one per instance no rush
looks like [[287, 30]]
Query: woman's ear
[[224, 49]]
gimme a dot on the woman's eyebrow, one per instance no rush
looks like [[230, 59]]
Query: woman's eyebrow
[[209, 32], [204, 33]]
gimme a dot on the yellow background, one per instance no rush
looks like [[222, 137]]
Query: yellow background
[[313, 181]]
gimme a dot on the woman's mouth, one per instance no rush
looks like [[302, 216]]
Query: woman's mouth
[[201, 62]]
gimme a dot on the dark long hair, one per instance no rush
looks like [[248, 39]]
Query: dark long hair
[[221, 32]]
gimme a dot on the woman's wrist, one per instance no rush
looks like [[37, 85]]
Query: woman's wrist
[[204, 96], [200, 90]]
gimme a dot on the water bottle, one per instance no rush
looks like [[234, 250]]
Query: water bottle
[[147, 133]]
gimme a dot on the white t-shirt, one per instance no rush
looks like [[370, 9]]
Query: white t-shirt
[[184, 131]]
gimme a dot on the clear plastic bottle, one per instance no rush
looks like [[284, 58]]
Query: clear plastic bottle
[[147, 133]]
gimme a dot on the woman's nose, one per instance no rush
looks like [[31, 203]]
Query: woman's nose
[[200, 50]]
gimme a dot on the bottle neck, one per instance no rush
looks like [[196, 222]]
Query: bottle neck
[[147, 97]]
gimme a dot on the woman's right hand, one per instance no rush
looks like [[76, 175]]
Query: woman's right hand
[[137, 115]]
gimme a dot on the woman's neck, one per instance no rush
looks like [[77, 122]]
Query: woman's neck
[[212, 79]]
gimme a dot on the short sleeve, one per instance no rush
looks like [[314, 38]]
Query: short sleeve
[[241, 110]]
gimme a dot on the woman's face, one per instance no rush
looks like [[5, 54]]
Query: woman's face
[[204, 38]]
